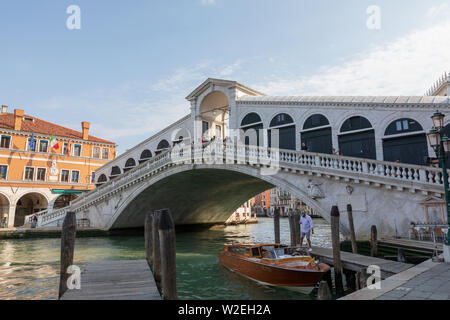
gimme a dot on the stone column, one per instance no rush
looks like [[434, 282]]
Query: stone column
[[11, 215]]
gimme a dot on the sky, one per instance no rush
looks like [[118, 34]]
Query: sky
[[130, 65]]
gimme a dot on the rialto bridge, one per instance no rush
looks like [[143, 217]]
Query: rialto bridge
[[366, 151]]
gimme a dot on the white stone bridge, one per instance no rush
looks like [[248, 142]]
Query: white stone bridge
[[389, 195], [381, 171]]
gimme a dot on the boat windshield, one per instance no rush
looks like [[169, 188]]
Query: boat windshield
[[270, 252]]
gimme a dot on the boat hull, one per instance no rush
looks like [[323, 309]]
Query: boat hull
[[273, 275]]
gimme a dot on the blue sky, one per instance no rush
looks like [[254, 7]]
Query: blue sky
[[129, 67]]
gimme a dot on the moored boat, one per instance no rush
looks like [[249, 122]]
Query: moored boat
[[274, 264]]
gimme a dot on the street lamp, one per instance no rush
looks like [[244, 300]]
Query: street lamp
[[441, 145]]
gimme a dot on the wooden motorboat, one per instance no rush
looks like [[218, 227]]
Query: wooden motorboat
[[274, 264]]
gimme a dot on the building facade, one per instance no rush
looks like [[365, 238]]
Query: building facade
[[44, 165]]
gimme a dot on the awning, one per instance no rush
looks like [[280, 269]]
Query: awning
[[60, 191]]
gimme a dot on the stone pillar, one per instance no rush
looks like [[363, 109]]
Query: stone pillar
[[11, 215]]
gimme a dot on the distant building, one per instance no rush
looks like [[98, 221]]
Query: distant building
[[283, 200], [37, 172], [261, 203]]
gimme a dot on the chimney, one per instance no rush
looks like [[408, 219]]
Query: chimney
[[18, 115], [4, 109], [85, 126]]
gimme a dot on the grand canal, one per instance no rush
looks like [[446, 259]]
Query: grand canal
[[29, 269]]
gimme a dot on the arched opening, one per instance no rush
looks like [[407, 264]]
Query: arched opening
[[4, 211], [214, 114], [316, 134], [405, 142], [163, 145], [101, 180], [284, 125], [115, 171], [28, 204], [357, 138], [252, 125], [145, 156], [64, 200], [129, 164]]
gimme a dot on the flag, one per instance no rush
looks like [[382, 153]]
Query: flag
[[32, 142], [68, 147], [53, 143]]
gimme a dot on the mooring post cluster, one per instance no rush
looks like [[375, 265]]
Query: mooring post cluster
[[160, 251], [68, 235]]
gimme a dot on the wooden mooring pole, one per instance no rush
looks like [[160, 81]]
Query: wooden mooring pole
[[324, 292], [148, 235], [352, 228], [156, 251], [68, 235], [292, 228], [373, 241], [276, 224], [297, 228], [168, 255], [337, 263]]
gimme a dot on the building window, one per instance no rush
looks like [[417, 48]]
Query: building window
[[92, 177], [31, 146], [77, 150], [41, 174], [75, 176], [64, 175], [5, 142], [3, 172], [43, 145], [218, 131], [29, 173], [65, 148], [96, 153], [105, 154]]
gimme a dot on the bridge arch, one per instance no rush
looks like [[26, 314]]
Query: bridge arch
[[405, 141], [129, 164], [162, 146], [213, 113], [197, 191], [317, 134], [115, 171], [252, 121], [145, 155], [285, 125], [101, 179], [357, 138]]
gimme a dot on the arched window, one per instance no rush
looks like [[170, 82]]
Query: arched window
[[403, 126], [316, 120], [145, 155], [115, 171], [286, 133], [354, 141], [317, 140], [129, 164], [252, 126], [250, 119], [102, 179], [162, 146], [410, 147], [281, 119], [355, 123]]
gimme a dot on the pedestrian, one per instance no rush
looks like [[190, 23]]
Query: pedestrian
[[34, 220], [307, 228], [304, 147]]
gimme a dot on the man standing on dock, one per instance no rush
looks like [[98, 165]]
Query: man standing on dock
[[307, 227]]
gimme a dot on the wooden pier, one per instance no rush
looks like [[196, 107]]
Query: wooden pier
[[358, 263], [425, 247], [116, 280]]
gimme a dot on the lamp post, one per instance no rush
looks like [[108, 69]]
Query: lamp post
[[441, 145]]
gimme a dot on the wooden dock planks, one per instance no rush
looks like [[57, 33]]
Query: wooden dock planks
[[116, 280], [357, 262], [426, 247]]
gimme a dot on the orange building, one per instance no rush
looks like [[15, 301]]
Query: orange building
[[261, 202], [36, 174]]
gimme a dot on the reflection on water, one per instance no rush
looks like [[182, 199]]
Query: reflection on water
[[29, 269]]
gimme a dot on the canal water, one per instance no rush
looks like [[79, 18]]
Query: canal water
[[29, 268]]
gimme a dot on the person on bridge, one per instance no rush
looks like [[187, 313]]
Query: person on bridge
[[307, 227]]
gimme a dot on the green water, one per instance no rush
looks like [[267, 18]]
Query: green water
[[29, 269]]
